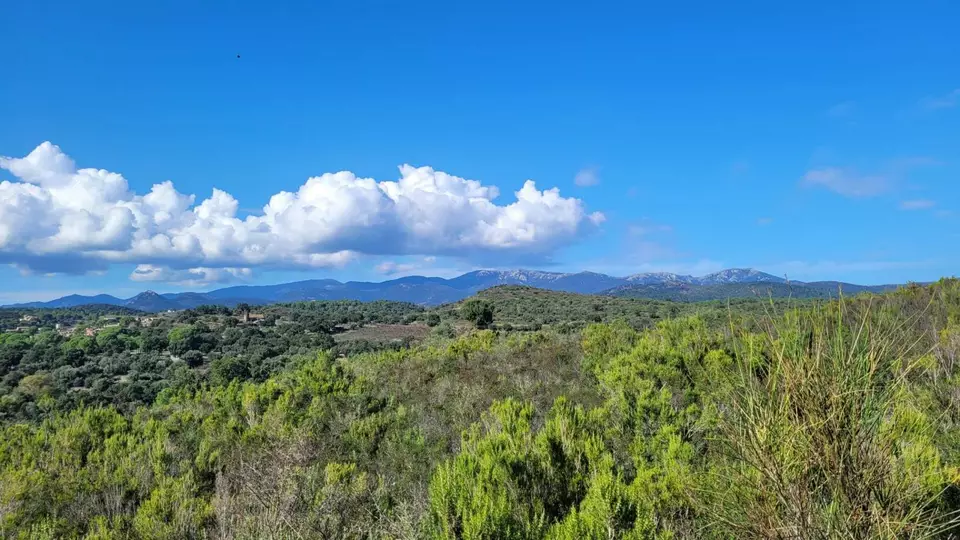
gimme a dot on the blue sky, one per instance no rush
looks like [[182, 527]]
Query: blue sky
[[817, 140]]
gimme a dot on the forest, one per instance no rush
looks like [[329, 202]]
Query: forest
[[518, 413]]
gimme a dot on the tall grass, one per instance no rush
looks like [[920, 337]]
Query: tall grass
[[823, 432]]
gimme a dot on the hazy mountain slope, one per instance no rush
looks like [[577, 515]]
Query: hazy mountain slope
[[313, 289], [848, 288], [483, 279], [683, 292], [738, 275], [655, 278], [74, 300], [585, 283], [732, 283]]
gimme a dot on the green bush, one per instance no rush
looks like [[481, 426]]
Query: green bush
[[477, 312]]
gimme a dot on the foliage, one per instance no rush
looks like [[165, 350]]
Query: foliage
[[527, 308], [833, 420], [331, 313], [129, 360], [11, 318], [827, 434], [477, 312]]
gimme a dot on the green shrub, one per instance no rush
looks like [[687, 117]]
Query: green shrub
[[825, 435], [477, 312]]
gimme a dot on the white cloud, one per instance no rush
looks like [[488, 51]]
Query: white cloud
[[850, 183], [764, 221], [919, 204], [587, 177], [193, 277], [699, 267], [390, 268], [62, 219], [947, 101], [847, 182]]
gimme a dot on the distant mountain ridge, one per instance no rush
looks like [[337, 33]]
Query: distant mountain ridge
[[684, 292], [731, 283]]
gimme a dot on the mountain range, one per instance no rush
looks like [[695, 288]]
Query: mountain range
[[732, 283]]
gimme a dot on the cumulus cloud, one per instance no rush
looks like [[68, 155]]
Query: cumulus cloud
[[847, 182], [59, 218]]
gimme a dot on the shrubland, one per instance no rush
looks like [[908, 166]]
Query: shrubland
[[820, 420]]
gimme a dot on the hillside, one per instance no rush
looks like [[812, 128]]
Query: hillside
[[520, 307], [529, 307]]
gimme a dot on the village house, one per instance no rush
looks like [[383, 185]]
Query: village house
[[147, 321], [254, 318]]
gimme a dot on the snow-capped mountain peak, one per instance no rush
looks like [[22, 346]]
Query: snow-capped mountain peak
[[519, 275], [739, 275], [654, 278]]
